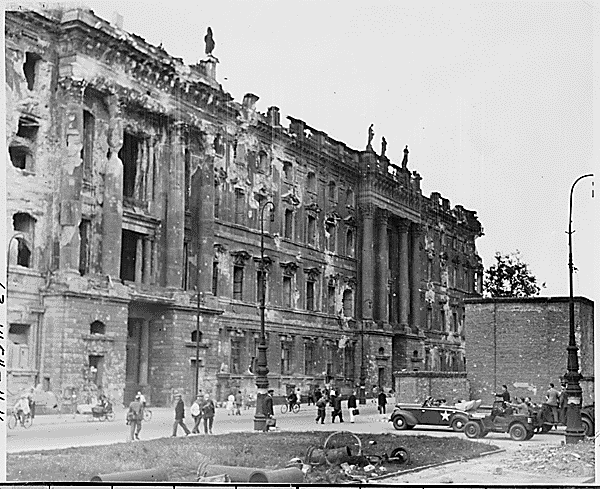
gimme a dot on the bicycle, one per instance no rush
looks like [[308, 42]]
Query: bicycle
[[147, 414], [13, 421], [285, 408]]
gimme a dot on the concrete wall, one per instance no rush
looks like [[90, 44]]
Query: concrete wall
[[415, 387]]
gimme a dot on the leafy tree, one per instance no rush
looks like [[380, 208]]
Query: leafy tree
[[510, 277]]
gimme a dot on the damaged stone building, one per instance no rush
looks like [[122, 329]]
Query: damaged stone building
[[134, 180]]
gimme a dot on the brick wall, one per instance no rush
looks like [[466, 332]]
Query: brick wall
[[415, 387], [522, 343]]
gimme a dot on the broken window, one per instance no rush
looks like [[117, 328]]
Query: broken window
[[286, 357], [98, 327], [85, 228], [238, 280], [24, 224], [331, 190], [136, 257], [236, 356], [350, 243], [30, 69], [348, 303], [331, 299], [128, 154], [28, 128], [287, 291], [240, 206], [442, 319], [87, 148], [310, 295], [21, 157], [287, 170], [310, 230], [311, 182], [263, 162], [18, 338], [139, 170], [215, 278], [288, 227]]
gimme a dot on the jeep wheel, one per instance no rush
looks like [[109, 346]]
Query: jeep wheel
[[399, 422], [484, 433], [529, 435], [518, 432], [472, 429], [588, 427], [458, 424]]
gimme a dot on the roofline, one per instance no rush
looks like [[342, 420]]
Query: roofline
[[521, 300]]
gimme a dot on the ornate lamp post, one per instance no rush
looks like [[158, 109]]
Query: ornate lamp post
[[575, 431], [262, 382]]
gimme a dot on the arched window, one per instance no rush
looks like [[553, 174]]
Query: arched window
[[311, 182], [24, 224], [350, 197], [195, 334], [287, 170], [263, 162], [97, 327], [348, 303], [381, 351], [350, 243], [331, 190]]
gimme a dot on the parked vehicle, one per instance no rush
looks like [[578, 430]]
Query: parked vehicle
[[520, 427], [545, 421], [431, 412]]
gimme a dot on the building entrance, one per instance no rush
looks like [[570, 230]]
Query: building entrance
[[136, 366]]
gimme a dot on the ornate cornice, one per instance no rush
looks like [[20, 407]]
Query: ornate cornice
[[240, 257], [289, 268], [220, 248], [313, 207], [263, 263], [312, 273]]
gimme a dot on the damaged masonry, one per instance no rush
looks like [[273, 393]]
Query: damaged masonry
[[135, 180]]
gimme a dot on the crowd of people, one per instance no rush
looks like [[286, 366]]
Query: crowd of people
[[555, 399]]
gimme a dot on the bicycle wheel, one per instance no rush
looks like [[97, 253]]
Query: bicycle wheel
[[27, 422], [12, 422], [110, 416], [296, 408], [284, 408], [147, 415]]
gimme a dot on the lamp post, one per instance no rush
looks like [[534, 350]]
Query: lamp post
[[197, 371], [363, 370], [575, 431], [262, 382]]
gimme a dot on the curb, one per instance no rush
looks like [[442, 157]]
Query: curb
[[432, 466]]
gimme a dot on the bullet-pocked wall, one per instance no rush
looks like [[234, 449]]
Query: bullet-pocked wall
[[138, 185]]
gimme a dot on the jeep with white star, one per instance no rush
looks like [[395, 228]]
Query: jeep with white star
[[432, 412], [502, 419]]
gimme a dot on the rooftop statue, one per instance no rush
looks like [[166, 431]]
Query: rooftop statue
[[383, 146], [371, 134], [210, 42]]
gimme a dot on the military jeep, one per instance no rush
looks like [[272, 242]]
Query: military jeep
[[520, 427]]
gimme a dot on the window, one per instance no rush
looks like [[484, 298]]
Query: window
[[330, 236], [21, 157], [260, 284], [311, 182], [138, 168], [454, 321], [309, 358], [429, 269], [215, 278], [310, 230], [348, 303], [128, 154], [85, 228], [96, 363], [239, 206], [236, 356], [18, 337], [287, 170], [97, 327], [331, 190], [185, 275], [429, 318], [288, 226], [287, 291], [350, 243], [217, 202], [187, 178], [196, 334], [349, 362], [136, 257], [28, 128], [453, 278], [87, 149], [310, 296], [350, 197], [442, 319], [30, 69], [238, 279], [24, 224], [286, 356], [263, 162], [331, 299]]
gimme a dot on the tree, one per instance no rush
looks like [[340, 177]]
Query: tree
[[510, 277]]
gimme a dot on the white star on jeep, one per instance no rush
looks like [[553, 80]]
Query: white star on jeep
[[445, 416]]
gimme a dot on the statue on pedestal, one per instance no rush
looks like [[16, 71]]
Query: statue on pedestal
[[209, 41], [383, 147], [371, 135]]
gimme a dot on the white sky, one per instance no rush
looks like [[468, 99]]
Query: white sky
[[494, 99]]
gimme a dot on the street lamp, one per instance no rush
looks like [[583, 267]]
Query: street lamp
[[262, 382], [575, 431]]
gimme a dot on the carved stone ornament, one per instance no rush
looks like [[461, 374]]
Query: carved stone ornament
[[289, 267], [313, 207], [312, 273], [266, 262], [220, 248], [333, 279], [350, 221], [291, 199], [350, 282], [240, 257]]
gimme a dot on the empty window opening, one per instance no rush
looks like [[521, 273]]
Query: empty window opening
[[288, 223], [350, 197], [20, 157], [238, 281], [136, 257], [187, 177], [310, 296], [96, 363], [87, 149], [18, 337], [240, 206], [196, 334], [30, 68], [98, 327], [287, 170], [263, 162], [217, 202], [348, 303], [350, 243], [128, 154], [287, 291], [28, 128], [331, 190], [85, 228], [310, 230], [311, 182], [381, 351], [331, 299], [215, 279], [24, 224]]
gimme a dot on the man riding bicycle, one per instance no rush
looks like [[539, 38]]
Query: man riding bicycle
[[292, 399]]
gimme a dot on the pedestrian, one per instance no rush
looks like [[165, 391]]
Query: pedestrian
[[179, 416], [230, 406], [562, 404], [298, 396], [310, 397], [135, 415], [374, 392], [208, 414], [321, 406], [238, 403], [352, 406], [381, 402], [268, 409], [196, 413], [292, 399], [317, 394], [31, 401], [552, 396], [336, 404]]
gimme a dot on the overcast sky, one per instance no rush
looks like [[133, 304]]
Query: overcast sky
[[493, 99]]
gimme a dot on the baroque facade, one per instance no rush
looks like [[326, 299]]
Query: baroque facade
[[135, 180]]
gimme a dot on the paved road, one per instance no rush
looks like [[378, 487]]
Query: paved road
[[62, 431]]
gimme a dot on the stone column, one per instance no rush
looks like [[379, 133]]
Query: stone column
[[381, 301], [205, 187], [415, 284], [403, 265], [175, 210], [367, 262], [112, 208], [71, 100], [144, 352], [146, 276]]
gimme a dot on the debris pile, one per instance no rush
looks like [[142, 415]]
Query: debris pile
[[564, 460]]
